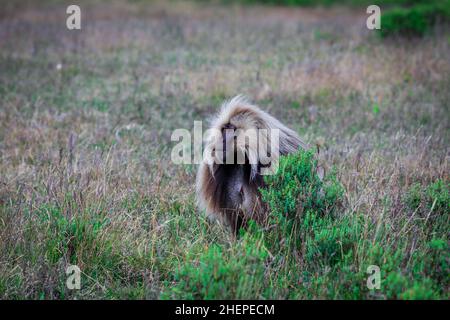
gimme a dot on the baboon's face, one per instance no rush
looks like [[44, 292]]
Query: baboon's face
[[228, 140], [241, 192], [237, 135]]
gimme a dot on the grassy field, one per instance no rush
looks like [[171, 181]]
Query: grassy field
[[86, 176]]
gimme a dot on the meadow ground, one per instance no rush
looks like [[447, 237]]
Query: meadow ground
[[86, 176]]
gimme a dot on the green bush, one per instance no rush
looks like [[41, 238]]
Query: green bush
[[298, 199], [310, 230], [414, 21], [335, 249]]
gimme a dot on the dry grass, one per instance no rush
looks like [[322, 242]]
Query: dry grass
[[92, 141]]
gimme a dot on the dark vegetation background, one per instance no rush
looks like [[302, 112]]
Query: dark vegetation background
[[86, 178]]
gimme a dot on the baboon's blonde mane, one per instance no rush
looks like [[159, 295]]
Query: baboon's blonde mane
[[241, 114]]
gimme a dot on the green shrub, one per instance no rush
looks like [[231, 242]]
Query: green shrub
[[310, 231], [298, 199], [414, 21], [334, 249]]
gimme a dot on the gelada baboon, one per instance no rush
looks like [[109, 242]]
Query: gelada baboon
[[243, 142]]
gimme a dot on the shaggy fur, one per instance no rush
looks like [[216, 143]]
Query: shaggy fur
[[229, 192]]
